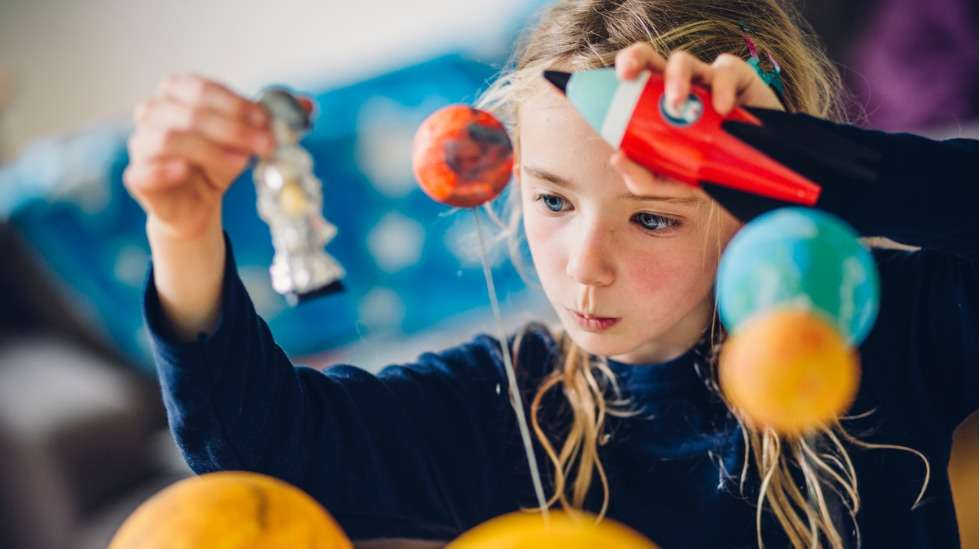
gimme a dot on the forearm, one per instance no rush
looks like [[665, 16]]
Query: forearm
[[230, 392], [187, 275], [904, 187], [925, 193]]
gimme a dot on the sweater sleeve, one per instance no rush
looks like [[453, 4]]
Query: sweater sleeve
[[911, 189], [409, 452], [923, 348], [923, 193]]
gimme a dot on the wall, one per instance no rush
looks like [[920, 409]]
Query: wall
[[72, 63]]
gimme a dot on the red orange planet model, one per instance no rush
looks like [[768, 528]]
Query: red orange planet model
[[462, 156]]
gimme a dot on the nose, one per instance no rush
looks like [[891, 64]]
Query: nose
[[590, 260]]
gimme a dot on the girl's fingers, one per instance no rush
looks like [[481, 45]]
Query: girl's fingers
[[191, 89], [223, 130], [731, 79], [680, 70], [155, 175], [737, 83], [636, 58], [185, 205], [638, 179], [727, 82], [219, 164]]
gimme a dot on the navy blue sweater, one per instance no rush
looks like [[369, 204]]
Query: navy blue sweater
[[430, 449]]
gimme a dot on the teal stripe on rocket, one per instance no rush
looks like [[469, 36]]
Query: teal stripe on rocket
[[591, 92]]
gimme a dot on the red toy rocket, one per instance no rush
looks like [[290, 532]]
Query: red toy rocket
[[689, 145]]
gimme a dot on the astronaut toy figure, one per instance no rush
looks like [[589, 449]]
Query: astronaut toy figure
[[290, 201]]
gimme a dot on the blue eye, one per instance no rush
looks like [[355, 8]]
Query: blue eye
[[654, 222], [552, 202]]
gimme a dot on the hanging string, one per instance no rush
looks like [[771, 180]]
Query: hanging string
[[515, 396]]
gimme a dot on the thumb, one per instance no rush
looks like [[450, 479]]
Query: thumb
[[638, 179]]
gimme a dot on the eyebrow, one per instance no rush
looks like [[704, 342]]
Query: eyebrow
[[563, 182]]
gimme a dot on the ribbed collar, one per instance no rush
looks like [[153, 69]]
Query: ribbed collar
[[684, 373]]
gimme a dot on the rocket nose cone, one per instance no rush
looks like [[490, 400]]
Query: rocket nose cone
[[558, 78]]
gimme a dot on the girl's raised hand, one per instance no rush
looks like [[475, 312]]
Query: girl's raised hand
[[731, 80], [192, 138]]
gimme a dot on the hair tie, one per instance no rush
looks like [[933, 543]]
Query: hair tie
[[772, 78]]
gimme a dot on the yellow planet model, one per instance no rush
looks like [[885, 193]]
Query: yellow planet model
[[520, 530], [230, 510], [790, 370]]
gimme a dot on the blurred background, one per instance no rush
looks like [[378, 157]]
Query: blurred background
[[83, 435]]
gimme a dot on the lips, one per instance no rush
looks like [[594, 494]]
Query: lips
[[593, 323]]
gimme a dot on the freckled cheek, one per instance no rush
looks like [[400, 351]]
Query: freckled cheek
[[545, 243], [670, 276]]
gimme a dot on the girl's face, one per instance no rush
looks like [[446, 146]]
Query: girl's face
[[646, 263]]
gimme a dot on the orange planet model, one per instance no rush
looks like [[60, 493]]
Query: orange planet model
[[790, 370], [462, 156], [521, 529], [230, 510]]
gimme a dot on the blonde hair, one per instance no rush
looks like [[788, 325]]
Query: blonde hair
[[587, 34]]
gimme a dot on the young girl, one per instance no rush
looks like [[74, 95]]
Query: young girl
[[628, 419]]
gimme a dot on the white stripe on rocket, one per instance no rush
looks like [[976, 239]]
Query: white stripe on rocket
[[621, 108]]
